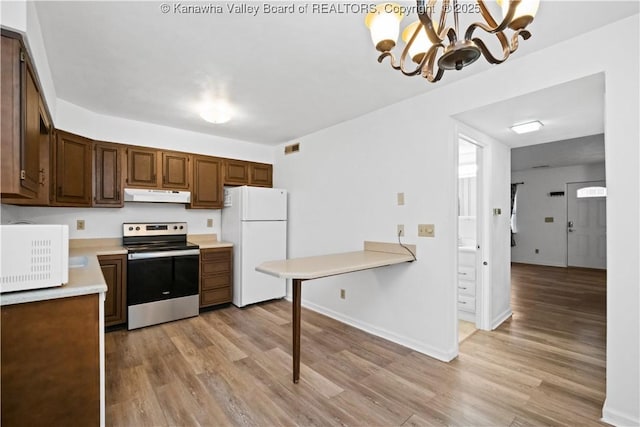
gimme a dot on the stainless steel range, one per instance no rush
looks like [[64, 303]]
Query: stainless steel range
[[162, 273]]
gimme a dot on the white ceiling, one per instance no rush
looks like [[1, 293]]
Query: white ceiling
[[567, 111], [287, 74], [577, 151]]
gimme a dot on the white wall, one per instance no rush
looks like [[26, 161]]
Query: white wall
[[76, 119], [534, 204], [107, 222], [344, 181], [21, 16]]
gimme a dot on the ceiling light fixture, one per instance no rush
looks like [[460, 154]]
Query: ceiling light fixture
[[527, 127], [216, 112], [430, 42]]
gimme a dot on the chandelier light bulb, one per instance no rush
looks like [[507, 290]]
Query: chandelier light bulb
[[384, 24], [420, 45], [525, 12]]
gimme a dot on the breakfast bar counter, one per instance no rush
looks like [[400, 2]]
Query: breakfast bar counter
[[375, 254]]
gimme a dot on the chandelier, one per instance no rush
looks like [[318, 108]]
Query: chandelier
[[431, 42]]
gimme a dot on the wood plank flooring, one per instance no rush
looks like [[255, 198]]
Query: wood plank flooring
[[232, 367]]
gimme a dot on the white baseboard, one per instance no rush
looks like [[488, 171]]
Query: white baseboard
[[617, 418], [539, 262], [445, 356], [497, 321]]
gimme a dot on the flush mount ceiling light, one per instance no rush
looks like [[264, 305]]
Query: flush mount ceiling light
[[216, 112], [432, 42], [527, 127]]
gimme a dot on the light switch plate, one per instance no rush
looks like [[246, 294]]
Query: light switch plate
[[400, 199], [80, 224], [426, 230], [209, 222]]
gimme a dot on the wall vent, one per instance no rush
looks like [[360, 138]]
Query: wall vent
[[293, 148]]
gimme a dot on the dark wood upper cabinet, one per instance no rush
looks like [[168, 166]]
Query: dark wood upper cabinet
[[108, 175], [72, 170], [142, 167], [261, 175], [236, 172], [20, 121], [207, 183], [114, 270], [176, 173]]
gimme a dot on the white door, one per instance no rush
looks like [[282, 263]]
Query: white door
[[261, 241], [587, 224], [264, 204]]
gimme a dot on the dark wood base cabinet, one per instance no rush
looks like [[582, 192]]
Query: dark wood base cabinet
[[50, 363], [216, 276], [114, 270]]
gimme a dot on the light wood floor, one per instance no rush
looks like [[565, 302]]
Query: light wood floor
[[465, 330], [545, 366]]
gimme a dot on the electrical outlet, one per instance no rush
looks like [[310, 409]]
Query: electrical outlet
[[400, 199], [400, 230], [209, 222], [80, 224], [426, 230], [343, 294]]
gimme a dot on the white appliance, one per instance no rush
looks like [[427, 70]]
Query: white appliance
[[254, 219], [33, 256]]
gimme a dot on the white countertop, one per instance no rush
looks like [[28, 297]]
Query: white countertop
[[207, 241], [374, 255]]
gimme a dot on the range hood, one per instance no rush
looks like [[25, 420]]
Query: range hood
[[156, 196]]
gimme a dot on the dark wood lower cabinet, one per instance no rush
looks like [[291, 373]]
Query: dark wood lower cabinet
[[50, 363], [114, 270], [216, 276]]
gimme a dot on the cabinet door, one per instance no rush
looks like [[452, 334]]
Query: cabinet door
[[108, 174], [20, 122], [236, 172], [207, 183], [114, 270], [46, 142], [175, 170], [261, 175], [73, 171], [142, 167], [50, 362]]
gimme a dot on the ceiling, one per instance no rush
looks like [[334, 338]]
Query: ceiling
[[567, 111], [577, 151], [287, 75]]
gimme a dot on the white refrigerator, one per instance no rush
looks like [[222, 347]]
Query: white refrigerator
[[254, 219]]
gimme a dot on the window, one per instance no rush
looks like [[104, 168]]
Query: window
[[591, 192]]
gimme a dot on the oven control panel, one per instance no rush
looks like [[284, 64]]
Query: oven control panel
[[130, 229]]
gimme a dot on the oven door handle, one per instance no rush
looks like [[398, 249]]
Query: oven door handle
[[163, 254]]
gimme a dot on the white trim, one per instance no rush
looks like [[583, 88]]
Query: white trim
[[444, 356], [499, 319], [102, 296], [617, 418], [537, 262]]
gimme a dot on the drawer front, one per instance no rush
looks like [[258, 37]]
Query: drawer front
[[466, 287], [216, 281], [216, 267], [466, 273], [215, 254], [467, 303], [215, 296], [468, 259]]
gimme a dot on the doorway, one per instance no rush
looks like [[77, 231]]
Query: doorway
[[469, 235]]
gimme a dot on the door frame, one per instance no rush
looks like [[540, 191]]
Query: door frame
[[483, 272]]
